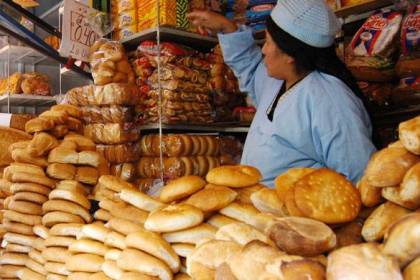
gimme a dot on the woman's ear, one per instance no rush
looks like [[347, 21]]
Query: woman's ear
[[290, 60]]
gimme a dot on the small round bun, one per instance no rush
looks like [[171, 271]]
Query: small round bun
[[181, 188], [85, 263], [174, 218], [234, 176]]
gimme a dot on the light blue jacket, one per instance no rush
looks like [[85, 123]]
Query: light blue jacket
[[318, 123]]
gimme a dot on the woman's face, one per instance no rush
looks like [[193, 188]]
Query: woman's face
[[278, 63]]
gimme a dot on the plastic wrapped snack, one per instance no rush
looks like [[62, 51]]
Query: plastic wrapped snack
[[111, 133], [110, 94], [36, 84], [180, 85], [12, 84], [117, 154], [110, 64], [111, 114]]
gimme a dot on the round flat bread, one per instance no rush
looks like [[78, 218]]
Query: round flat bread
[[327, 196]]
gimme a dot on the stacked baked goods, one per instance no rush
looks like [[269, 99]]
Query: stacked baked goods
[[184, 89], [182, 155], [26, 83], [108, 106], [224, 85], [8, 137], [49, 194]]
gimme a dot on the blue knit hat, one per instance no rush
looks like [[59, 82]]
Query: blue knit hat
[[311, 21]]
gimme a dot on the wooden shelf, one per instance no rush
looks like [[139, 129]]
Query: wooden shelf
[[366, 6], [396, 116]]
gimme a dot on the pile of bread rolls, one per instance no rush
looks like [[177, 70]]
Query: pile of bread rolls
[[49, 187]]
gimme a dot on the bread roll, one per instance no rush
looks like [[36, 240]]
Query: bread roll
[[82, 143], [19, 239], [90, 158], [31, 197], [183, 249], [223, 272], [244, 194], [102, 215], [22, 167], [63, 155], [30, 220], [412, 271], [212, 199], [59, 241], [401, 239], [57, 217], [22, 156], [195, 235], [57, 268], [13, 259], [378, 222], [37, 256], [267, 200], [88, 247], [59, 131], [358, 261], [15, 248], [111, 269], [241, 233], [115, 240], [38, 125], [388, 167], [23, 177], [316, 197], [17, 227], [9, 271], [371, 196], [174, 218], [218, 220], [99, 276], [70, 110], [286, 180], [199, 271], [213, 253], [408, 193], [29, 187], [153, 244], [181, 188], [113, 183], [123, 226], [61, 171], [140, 200], [290, 267], [252, 260], [84, 263], [41, 144], [36, 267], [66, 230], [113, 254], [25, 207], [70, 196], [409, 135], [73, 186], [96, 231], [234, 176], [135, 276], [79, 276], [137, 261], [59, 117], [67, 207], [302, 236], [56, 254], [28, 274], [241, 212], [124, 211]]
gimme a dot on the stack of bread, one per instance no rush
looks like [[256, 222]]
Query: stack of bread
[[183, 155], [108, 107], [184, 89], [226, 93]]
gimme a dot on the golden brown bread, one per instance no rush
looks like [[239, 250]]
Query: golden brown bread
[[409, 134], [86, 175], [244, 194], [358, 261], [241, 233], [84, 263], [388, 167], [195, 235], [302, 236], [412, 271], [61, 171], [110, 133], [235, 176], [349, 234], [212, 199], [214, 253], [117, 154], [408, 193], [267, 201], [21, 155], [82, 143], [39, 125], [370, 196], [378, 222], [181, 188], [401, 239], [286, 180]]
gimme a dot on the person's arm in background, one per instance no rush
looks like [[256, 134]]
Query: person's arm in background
[[239, 49]]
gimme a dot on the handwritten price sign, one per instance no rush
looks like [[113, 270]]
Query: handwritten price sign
[[78, 36]]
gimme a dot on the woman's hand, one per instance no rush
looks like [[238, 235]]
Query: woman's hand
[[212, 21]]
